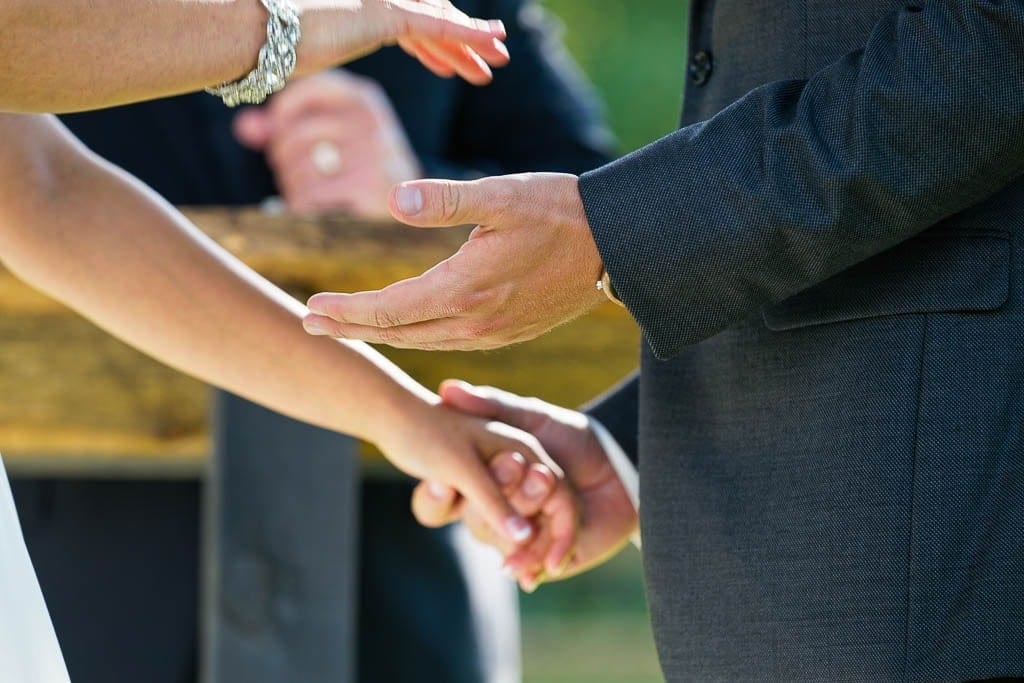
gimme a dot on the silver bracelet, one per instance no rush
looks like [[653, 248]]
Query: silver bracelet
[[276, 61]]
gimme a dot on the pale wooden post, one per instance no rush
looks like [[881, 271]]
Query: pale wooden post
[[280, 565]]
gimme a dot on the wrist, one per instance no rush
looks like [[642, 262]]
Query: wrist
[[333, 33], [314, 53], [401, 416], [275, 61], [591, 262]]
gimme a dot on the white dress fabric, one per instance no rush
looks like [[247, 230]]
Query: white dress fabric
[[29, 652]]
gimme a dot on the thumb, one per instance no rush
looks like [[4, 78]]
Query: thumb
[[434, 504], [440, 203], [252, 127], [485, 402]]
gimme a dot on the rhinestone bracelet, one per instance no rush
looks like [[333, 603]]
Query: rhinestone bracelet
[[276, 61]]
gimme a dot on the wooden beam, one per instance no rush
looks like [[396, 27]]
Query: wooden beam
[[75, 401]]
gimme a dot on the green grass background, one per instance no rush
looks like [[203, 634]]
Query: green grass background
[[594, 628]]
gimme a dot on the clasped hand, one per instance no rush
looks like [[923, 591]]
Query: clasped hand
[[583, 513]]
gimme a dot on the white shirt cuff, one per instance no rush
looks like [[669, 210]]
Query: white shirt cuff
[[622, 465]]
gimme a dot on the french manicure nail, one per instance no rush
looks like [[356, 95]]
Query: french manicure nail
[[518, 528], [409, 200], [505, 471], [534, 486]]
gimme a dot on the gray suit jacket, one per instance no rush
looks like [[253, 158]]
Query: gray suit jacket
[[828, 265]]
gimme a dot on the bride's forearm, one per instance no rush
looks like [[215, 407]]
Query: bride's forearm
[[69, 55], [93, 237], [121, 50]]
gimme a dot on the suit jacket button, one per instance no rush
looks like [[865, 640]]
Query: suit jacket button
[[700, 67]]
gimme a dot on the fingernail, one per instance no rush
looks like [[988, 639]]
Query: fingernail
[[506, 470], [313, 304], [437, 490], [500, 47], [496, 26], [534, 486], [409, 200], [518, 528], [314, 326]]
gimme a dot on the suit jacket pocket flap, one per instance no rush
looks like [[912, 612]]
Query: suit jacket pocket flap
[[933, 272]]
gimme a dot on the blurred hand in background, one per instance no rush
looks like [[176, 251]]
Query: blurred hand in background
[[333, 142]]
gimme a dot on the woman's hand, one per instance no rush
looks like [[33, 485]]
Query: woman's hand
[[606, 517], [333, 141], [451, 450], [444, 39]]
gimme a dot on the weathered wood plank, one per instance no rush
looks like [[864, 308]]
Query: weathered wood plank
[[74, 400]]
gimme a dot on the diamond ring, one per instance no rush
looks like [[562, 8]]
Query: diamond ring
[[326, 158]]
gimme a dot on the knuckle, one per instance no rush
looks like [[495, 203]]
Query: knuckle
[[450, 202], [504, 194], [469, 303], [383, 317], [387, 335], [503, 197]]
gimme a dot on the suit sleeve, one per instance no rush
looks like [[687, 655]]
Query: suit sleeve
[[539, 113], [617, 411], [799, 180]]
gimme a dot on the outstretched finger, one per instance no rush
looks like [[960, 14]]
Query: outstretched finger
[[426, 21], [405, 302], [501, 52], [445, 334], [437, 66], [463, 60]]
